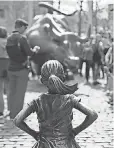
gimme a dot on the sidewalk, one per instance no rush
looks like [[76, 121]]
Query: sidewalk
[[98, 135]]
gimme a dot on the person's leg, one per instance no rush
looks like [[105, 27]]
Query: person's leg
[[80, 66], [102, 70], [5, 75], [6, 83], [92, 69], [87, 70], [1, 96], [110, 83], [3, 81], [21, 85], [96, 72], [12, 90], [2, 67]]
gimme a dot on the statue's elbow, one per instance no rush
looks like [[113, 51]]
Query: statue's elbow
[[16, 122], [94, 115]]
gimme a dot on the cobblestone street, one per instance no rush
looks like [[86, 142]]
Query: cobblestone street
[[98, 135]]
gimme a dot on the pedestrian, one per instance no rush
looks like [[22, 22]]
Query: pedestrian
[[18, 50], [109, 69], [88, 58], [106, 42], [3, 68], [98, 58], [54, 111]]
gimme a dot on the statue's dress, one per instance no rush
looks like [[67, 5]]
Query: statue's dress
[[54, 113]]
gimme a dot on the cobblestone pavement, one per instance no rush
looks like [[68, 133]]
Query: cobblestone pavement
[[98, 135]]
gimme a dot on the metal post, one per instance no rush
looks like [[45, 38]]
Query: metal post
[[59, 4], [30, 12], [90, 14], [80, 18], [96, 22]]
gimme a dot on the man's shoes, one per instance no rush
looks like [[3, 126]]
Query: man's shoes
[[80, 74], [96, 83]]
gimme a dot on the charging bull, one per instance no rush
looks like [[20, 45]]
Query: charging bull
[[52, 34]]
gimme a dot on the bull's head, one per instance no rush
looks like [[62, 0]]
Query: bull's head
[[52, 34]]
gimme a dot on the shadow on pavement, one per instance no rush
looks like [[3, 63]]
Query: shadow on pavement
[[97, 87]]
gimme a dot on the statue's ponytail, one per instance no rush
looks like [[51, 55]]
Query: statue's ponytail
[[52, 76]]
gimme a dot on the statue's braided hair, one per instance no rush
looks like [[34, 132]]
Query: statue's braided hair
[[52, 75]]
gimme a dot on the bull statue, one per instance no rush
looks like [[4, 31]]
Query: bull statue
[[53, 35]]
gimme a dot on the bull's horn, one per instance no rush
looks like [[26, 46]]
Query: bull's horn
[[49, 6]]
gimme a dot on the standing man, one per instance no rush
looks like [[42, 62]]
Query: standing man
[[3, 67], [88, 58], [18, 50], [98, 58]]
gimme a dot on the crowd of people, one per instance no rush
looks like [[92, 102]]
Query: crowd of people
[[54, 109], [97, 54]]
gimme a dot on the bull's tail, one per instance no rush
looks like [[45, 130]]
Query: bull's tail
[[49, 6]]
